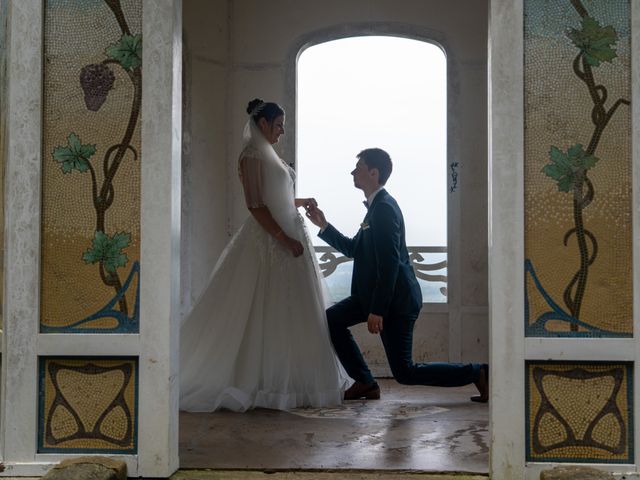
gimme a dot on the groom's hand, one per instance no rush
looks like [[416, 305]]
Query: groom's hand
[[305, 202], [374, 323], [316, 216]]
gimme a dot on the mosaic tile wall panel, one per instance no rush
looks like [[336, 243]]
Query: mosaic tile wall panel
[[4, 19], [579, 412], [578, 168], [91, 166], [88, 405]]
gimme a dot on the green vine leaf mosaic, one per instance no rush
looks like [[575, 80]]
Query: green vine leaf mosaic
[[595, 41], [108, 250], [74, 156], [127, 52], [564, 166]]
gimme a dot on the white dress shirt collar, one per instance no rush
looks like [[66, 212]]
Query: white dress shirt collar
[[373, 195]]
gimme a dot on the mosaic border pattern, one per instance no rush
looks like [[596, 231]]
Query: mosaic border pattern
[[85, 429], [619, 374]]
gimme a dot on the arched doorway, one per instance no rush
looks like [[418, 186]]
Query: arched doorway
[[256, 66], [388, 92]]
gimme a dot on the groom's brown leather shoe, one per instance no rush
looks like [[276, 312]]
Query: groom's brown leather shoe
[[368, 391], [482, 384]]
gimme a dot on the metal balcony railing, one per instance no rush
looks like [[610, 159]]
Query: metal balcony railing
[[329, 259]]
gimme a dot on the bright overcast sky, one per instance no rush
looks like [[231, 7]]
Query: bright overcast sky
[[384, 92]]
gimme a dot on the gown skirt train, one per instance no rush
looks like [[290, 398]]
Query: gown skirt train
[[257, 336]]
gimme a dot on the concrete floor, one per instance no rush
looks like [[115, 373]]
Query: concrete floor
[[411, 429]]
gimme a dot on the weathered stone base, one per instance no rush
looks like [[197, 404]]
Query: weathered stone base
[[575, 473], [88, 468]]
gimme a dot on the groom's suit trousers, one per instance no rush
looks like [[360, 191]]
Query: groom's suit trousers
[[397, 339]]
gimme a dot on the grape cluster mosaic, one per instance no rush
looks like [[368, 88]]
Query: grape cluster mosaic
[[92, 93], [88, 405], [578, 168], [579, 412]]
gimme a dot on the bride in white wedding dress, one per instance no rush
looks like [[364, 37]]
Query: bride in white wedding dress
[[257, 336]]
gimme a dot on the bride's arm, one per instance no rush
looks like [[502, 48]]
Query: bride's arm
[[265, 219], [251, 178]]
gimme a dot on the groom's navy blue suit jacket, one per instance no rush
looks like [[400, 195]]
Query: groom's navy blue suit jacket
[[383, 279]]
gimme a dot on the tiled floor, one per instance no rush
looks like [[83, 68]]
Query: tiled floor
[[420, 429]]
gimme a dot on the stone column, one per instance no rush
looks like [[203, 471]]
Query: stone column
[[160, 233], [506, 240], [22, 236]]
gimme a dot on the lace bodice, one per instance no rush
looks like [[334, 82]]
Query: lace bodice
[[257, 175]]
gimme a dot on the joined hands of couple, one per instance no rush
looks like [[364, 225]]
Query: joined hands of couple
[[313, 213]]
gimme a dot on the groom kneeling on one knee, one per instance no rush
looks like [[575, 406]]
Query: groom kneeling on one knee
[[384, 291]]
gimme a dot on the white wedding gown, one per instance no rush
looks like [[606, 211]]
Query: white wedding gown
[[257, 336]]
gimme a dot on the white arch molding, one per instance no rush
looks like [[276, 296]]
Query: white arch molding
[[399, 85]]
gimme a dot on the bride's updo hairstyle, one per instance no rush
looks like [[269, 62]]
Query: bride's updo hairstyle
[[268, 110]]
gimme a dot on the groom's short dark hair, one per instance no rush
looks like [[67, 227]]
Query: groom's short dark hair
[[377, 158]]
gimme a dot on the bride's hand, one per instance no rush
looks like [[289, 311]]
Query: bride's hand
[[294, 246], [306, 203]]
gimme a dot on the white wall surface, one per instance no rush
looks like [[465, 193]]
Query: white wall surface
[[204, 165]]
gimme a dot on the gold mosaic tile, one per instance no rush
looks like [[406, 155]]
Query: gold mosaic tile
[[91, 166], [579, 412], [88, 405], [578, 168]]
